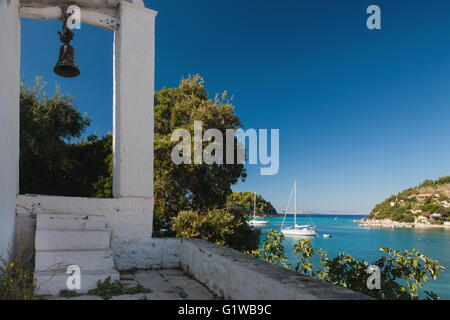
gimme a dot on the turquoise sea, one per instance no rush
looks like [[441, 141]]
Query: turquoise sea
[[365, 243]]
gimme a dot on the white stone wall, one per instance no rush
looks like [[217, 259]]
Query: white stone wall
[[129, 219], [9, 119], [235, 276], [134, 68]]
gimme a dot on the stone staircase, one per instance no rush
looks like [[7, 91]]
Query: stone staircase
[[66, 239]]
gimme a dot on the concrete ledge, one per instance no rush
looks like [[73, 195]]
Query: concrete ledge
[[157, 253], [129, 219], [236, 276]]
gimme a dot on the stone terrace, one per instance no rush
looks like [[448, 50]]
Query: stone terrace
[[169, 284]]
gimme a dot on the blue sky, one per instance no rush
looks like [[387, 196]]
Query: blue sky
[[362, 114]]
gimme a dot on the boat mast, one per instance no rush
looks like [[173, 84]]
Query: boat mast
[[295, 205], [254, 206], [287, 207]]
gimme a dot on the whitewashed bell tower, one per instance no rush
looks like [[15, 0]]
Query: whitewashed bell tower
[[129, 215]]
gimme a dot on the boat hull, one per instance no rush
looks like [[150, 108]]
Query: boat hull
[[300, 232], [258, 222]]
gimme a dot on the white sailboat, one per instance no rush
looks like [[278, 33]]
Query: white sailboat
[[296, 230], [255, 221]]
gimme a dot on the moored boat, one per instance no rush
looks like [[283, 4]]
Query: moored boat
[[296, 230], [255, 221]]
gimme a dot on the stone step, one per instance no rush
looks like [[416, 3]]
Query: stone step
[[70, 222], [71, 240], [51, 283], [100, 259]]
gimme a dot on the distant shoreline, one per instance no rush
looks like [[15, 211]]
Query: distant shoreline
[[389, 224], [326, 214]]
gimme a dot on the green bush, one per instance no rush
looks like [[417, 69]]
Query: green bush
[[403, 273], [246, 200], [16, 283], [225, 227]]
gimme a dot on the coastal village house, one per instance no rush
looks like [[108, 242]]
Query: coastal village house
[[106, 236]]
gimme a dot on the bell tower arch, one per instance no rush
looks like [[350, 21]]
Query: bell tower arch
[[130, 213]]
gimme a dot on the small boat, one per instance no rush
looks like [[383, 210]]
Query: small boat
[[296, 230], [255, 221], [326, 235], [258, 222]]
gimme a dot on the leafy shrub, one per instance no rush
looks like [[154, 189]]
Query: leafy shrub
[[16, 283], [107, 289], [225, 227], [272, 249], [402, 273], [246, 200]]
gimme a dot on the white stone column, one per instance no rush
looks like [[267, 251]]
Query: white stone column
[[134, 59], [9, 119]]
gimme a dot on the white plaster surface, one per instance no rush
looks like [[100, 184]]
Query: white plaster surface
[[106, 19], [134, 59], [71, 240], [70, 222], [81, 3], [236, 276], [9, 120], [57, 249], [153, 254], [85, 259], [51, 282], [128, 219]]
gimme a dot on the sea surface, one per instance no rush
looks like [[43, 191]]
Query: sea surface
[[364, 243]]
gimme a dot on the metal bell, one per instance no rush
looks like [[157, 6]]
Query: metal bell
[[67, 66]]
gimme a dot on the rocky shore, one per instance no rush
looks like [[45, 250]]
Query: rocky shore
[[389, 224]]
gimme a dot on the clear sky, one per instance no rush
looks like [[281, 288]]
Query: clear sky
[[362, 114]]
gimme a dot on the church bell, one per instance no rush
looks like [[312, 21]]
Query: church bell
[[66, 66]]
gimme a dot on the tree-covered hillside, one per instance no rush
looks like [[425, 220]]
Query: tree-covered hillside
[[426, 203], [246, 199]]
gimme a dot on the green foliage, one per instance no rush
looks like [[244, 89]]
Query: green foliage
[[427, 183], [272, 249], [440, 181], [402, 273], [226, 227], [244, 237], [430, 207], [246, 200], [107, 289], [190, 187], [16, 282], [49, 163], [69, 294], [406, 201], [306, 253], [213, 225], [410, 266]]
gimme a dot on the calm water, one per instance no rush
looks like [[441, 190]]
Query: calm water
[[365, 243]]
